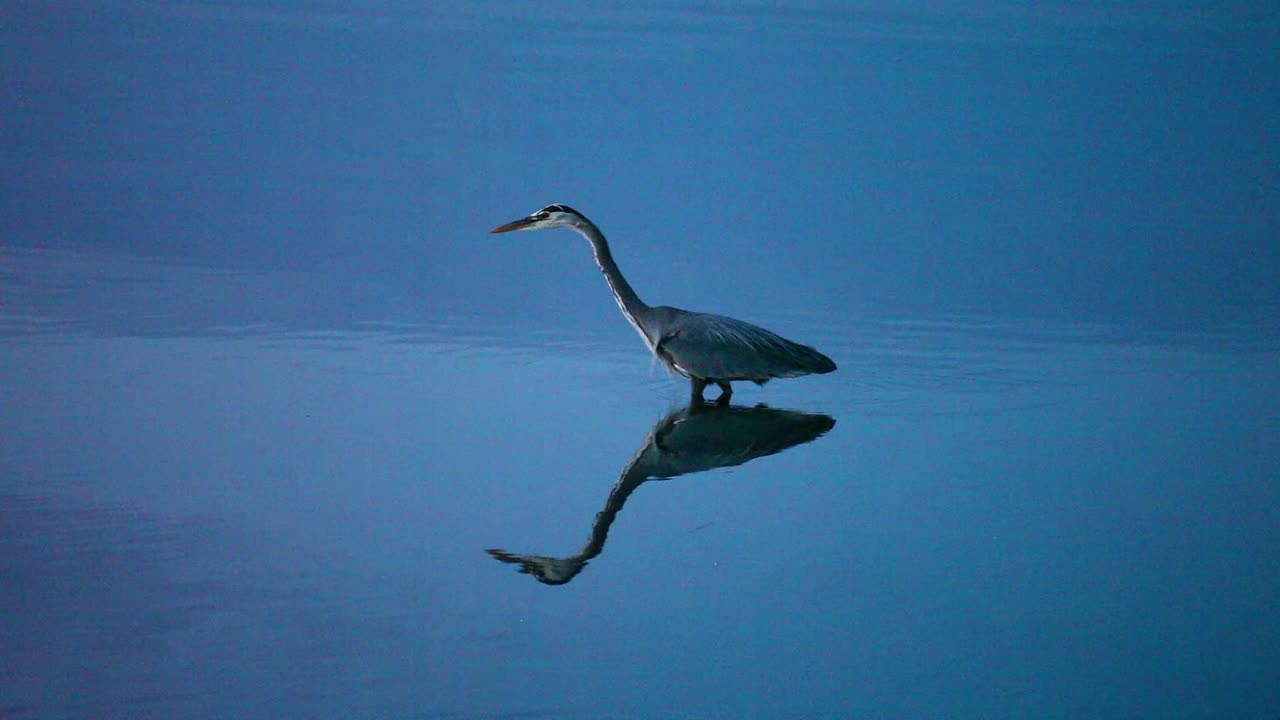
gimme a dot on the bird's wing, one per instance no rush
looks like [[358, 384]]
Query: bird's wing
[[722, 348]]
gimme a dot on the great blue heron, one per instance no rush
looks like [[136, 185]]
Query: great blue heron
[[704, 348]]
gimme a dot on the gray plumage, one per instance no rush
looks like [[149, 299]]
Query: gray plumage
[[704, 348], [715, 347]]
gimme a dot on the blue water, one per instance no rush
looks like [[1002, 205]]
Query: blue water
[[284, 433]]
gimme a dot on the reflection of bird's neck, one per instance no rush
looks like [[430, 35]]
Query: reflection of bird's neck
[[630, 303]]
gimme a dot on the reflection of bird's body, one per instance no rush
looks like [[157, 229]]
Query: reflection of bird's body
[[689, 440], [704, 348]]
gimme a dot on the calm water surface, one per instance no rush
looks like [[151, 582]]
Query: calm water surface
[[285, 434], [969, 519]]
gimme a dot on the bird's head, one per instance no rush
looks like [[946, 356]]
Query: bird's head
[[555, 215]]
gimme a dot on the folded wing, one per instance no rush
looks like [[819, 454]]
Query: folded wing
[[715, 347]]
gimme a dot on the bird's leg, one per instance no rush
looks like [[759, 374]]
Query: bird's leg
[[726, 391], [698, 386]]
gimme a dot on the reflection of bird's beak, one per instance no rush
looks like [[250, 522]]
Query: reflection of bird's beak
[[521, 224]]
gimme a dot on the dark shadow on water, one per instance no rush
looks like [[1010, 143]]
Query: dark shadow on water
[[693, 439]]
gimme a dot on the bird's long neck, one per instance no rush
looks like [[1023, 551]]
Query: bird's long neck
[[630, 303]]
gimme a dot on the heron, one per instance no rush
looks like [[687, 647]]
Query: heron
[[702, 347]]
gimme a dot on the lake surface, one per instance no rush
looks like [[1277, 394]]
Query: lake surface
[[286, 434]]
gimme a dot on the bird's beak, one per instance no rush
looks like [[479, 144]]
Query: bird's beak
[[523, 223]]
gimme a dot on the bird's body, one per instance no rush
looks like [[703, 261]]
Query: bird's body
[[702, 347]]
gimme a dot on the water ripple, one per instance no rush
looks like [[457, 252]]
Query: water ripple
[[623, 29], [892, 362]]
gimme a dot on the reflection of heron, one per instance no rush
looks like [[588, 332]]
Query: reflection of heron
[[693, 439], [704, 348]]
